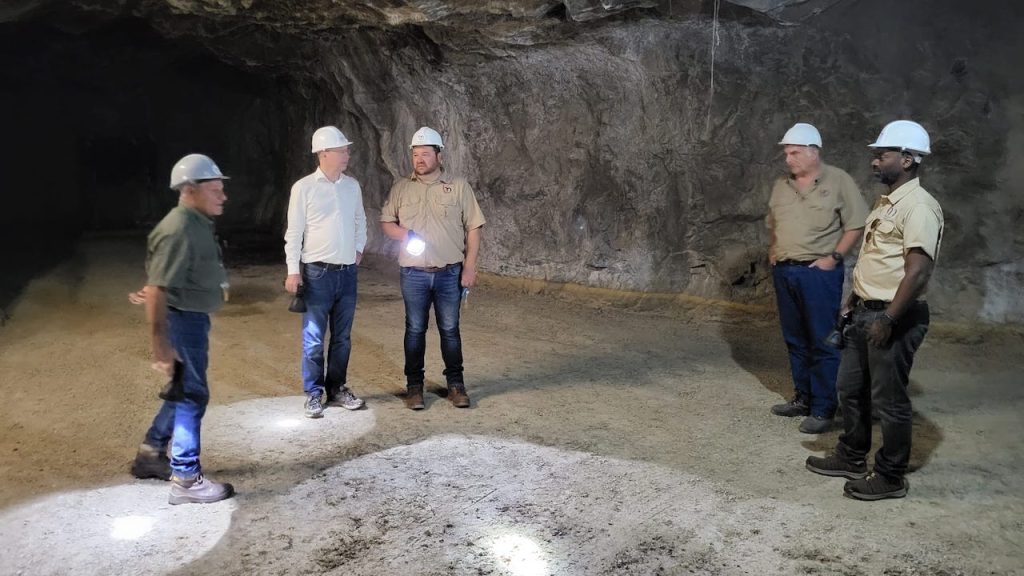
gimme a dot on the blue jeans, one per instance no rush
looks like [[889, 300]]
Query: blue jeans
[[876, 379], [444, 290], [809, 300], [178, 423], [330, 303]]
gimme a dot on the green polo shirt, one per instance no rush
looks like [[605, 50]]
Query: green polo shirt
[[183, 257]]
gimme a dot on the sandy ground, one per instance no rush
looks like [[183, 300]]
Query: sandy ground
[[610, 434]]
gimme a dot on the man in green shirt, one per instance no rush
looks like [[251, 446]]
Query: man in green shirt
[[186, 282]]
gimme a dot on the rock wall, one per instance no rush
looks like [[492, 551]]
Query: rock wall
[[630, 144]]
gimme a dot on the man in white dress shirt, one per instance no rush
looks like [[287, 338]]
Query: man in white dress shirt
[[323, 245]]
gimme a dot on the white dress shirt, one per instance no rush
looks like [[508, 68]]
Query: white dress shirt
[[326, 221]]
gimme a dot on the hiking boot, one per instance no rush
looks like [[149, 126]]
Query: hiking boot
[[876, 487], [151, 462], [796, 407], [346, 399], [835, 466], [457, 396], [314, 409], [198, 490], [414, 398], [816, 425]]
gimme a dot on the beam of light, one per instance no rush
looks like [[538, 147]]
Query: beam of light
[[288, 423], [520, 555], [131, 527]]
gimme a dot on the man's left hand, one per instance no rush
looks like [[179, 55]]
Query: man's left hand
[[825, 263], [879, 333], [468, 276]]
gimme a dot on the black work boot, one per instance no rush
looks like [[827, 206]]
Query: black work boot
[[816, 425], [798, 406], [151, 462], [198, 490], [876, 487], [414, 398], [833, 465], [457, 395]]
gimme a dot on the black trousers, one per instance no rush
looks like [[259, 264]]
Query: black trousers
[[876, 379]]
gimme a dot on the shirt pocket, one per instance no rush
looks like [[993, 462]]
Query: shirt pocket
[[409, 208], [881, 233], [449, 204]]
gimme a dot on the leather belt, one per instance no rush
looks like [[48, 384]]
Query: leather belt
[[328, 266], [873, 304], [794, 262], [435, 269]]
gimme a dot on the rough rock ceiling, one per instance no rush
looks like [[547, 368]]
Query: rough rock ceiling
[[504, 16]]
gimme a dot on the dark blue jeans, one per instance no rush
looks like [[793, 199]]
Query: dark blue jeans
[[877, 378], [178, 423], [443, 290], [330, 303], [809, 300]]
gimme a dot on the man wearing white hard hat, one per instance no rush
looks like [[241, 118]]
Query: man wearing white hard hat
[[890, 319], [438, 221], [816, 214], [323, 246], [185, 283]]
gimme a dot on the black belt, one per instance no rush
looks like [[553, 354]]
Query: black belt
[[794, 262], [328, 266], [434, 269], [874, 304]]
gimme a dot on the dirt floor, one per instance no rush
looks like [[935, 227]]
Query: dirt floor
[[610, 434]]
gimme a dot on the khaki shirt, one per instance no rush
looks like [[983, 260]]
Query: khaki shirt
[[808, 224], [183, 257], [909, 217], [441, 213]]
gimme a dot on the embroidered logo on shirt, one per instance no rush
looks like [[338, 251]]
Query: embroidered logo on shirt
[[890, 213]]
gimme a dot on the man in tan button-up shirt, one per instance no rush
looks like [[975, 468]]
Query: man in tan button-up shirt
[[890, 319], [438, 221], [816, 214]]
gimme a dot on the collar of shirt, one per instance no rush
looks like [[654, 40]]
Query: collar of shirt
[[441, 179], [903, 191], [195, 214], [320, 176]]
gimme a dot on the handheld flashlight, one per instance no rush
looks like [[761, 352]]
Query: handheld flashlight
[[414, 245]]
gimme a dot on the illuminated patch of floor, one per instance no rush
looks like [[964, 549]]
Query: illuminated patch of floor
[[128, 529], [477, 505], [275, 430]]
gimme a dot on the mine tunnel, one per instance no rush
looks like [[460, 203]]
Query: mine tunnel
[[623, 344]]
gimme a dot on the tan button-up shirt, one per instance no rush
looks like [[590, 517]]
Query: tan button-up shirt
[[808, 224], [909, 217], [440, 212]]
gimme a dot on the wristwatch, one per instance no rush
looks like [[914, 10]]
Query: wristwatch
[[837, 256]]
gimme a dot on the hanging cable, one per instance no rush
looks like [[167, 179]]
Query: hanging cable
[[715, 40]]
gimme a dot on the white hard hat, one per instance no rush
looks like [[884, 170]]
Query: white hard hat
[[194, 168], [426, 137], [328, 137], [907, 136], [802, 134]]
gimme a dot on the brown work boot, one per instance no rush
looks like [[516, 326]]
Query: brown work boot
[[457, 395], [414, 398], [151, 462], [198, 490]]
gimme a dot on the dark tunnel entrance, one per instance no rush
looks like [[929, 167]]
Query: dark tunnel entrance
[[97, 115]]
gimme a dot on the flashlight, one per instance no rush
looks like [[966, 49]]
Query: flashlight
[[414, 245]]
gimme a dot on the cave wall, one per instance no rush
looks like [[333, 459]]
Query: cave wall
[[608, 160], [601, 151]]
